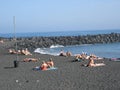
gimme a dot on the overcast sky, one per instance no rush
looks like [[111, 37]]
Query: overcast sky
[[59, 15]]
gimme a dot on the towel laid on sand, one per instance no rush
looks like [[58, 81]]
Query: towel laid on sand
[[95, 65], [115, 59], [37, 68]]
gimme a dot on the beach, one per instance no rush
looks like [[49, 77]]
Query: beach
[[69, 75]]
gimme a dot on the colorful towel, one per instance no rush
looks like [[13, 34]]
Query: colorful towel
[[38, 68], [115, 59]]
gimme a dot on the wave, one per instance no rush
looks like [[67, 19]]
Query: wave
[[55, 49], [49, 51], [40, 50], [56, 46]]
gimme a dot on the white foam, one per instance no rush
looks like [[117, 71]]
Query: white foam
[[49, 51], [56, 46]]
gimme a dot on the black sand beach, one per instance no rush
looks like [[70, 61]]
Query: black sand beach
[[69, 75]]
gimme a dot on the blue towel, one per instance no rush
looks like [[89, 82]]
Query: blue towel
[[38, 68]]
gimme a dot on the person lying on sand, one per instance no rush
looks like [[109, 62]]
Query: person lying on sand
[[30, 60], [12, 51], [92, 64], [95, 57], [77, 58], [25, 52]]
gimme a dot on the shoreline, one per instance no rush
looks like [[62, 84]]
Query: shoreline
[[69, 75]]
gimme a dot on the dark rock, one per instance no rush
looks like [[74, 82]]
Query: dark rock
[[39, 42]]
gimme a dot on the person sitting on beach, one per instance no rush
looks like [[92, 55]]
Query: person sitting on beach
[[83, 55], [80, 56], [1, 41], [91, 62], [23, 51], [44, 66], [68, 53], [50, 63], [26, 52], [30, 59], [62, 53]]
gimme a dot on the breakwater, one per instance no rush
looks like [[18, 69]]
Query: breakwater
[[42, 42]]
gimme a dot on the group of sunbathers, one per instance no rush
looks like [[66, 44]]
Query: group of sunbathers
[[84, 56], [23, 51], [45, 65], [68, 53], [91, 58]]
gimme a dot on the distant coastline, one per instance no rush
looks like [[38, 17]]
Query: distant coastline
[[58, 33]]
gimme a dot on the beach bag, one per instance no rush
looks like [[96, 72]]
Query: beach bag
[[15, 63]]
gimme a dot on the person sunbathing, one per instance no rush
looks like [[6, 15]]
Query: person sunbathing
[[68, 53], [19, 52], [62, 53], [44, 66], [30, 59], [12, 51], [1, 41], [92, 64], [25, 52], [50, 63]]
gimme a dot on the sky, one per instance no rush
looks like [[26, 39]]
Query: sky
[[59, 15]]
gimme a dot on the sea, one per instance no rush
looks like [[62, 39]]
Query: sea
[[109, 50]]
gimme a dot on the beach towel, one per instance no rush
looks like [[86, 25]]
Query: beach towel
[[77, 60], [52, 68], [115, 59], [95, 65], [37, 68]]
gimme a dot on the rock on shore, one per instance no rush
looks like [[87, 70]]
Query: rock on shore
[[39, 42]]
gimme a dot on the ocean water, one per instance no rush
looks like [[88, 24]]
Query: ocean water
[[59, 33], [111, 50]]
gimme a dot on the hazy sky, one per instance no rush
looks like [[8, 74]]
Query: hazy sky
[[59, 15]]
